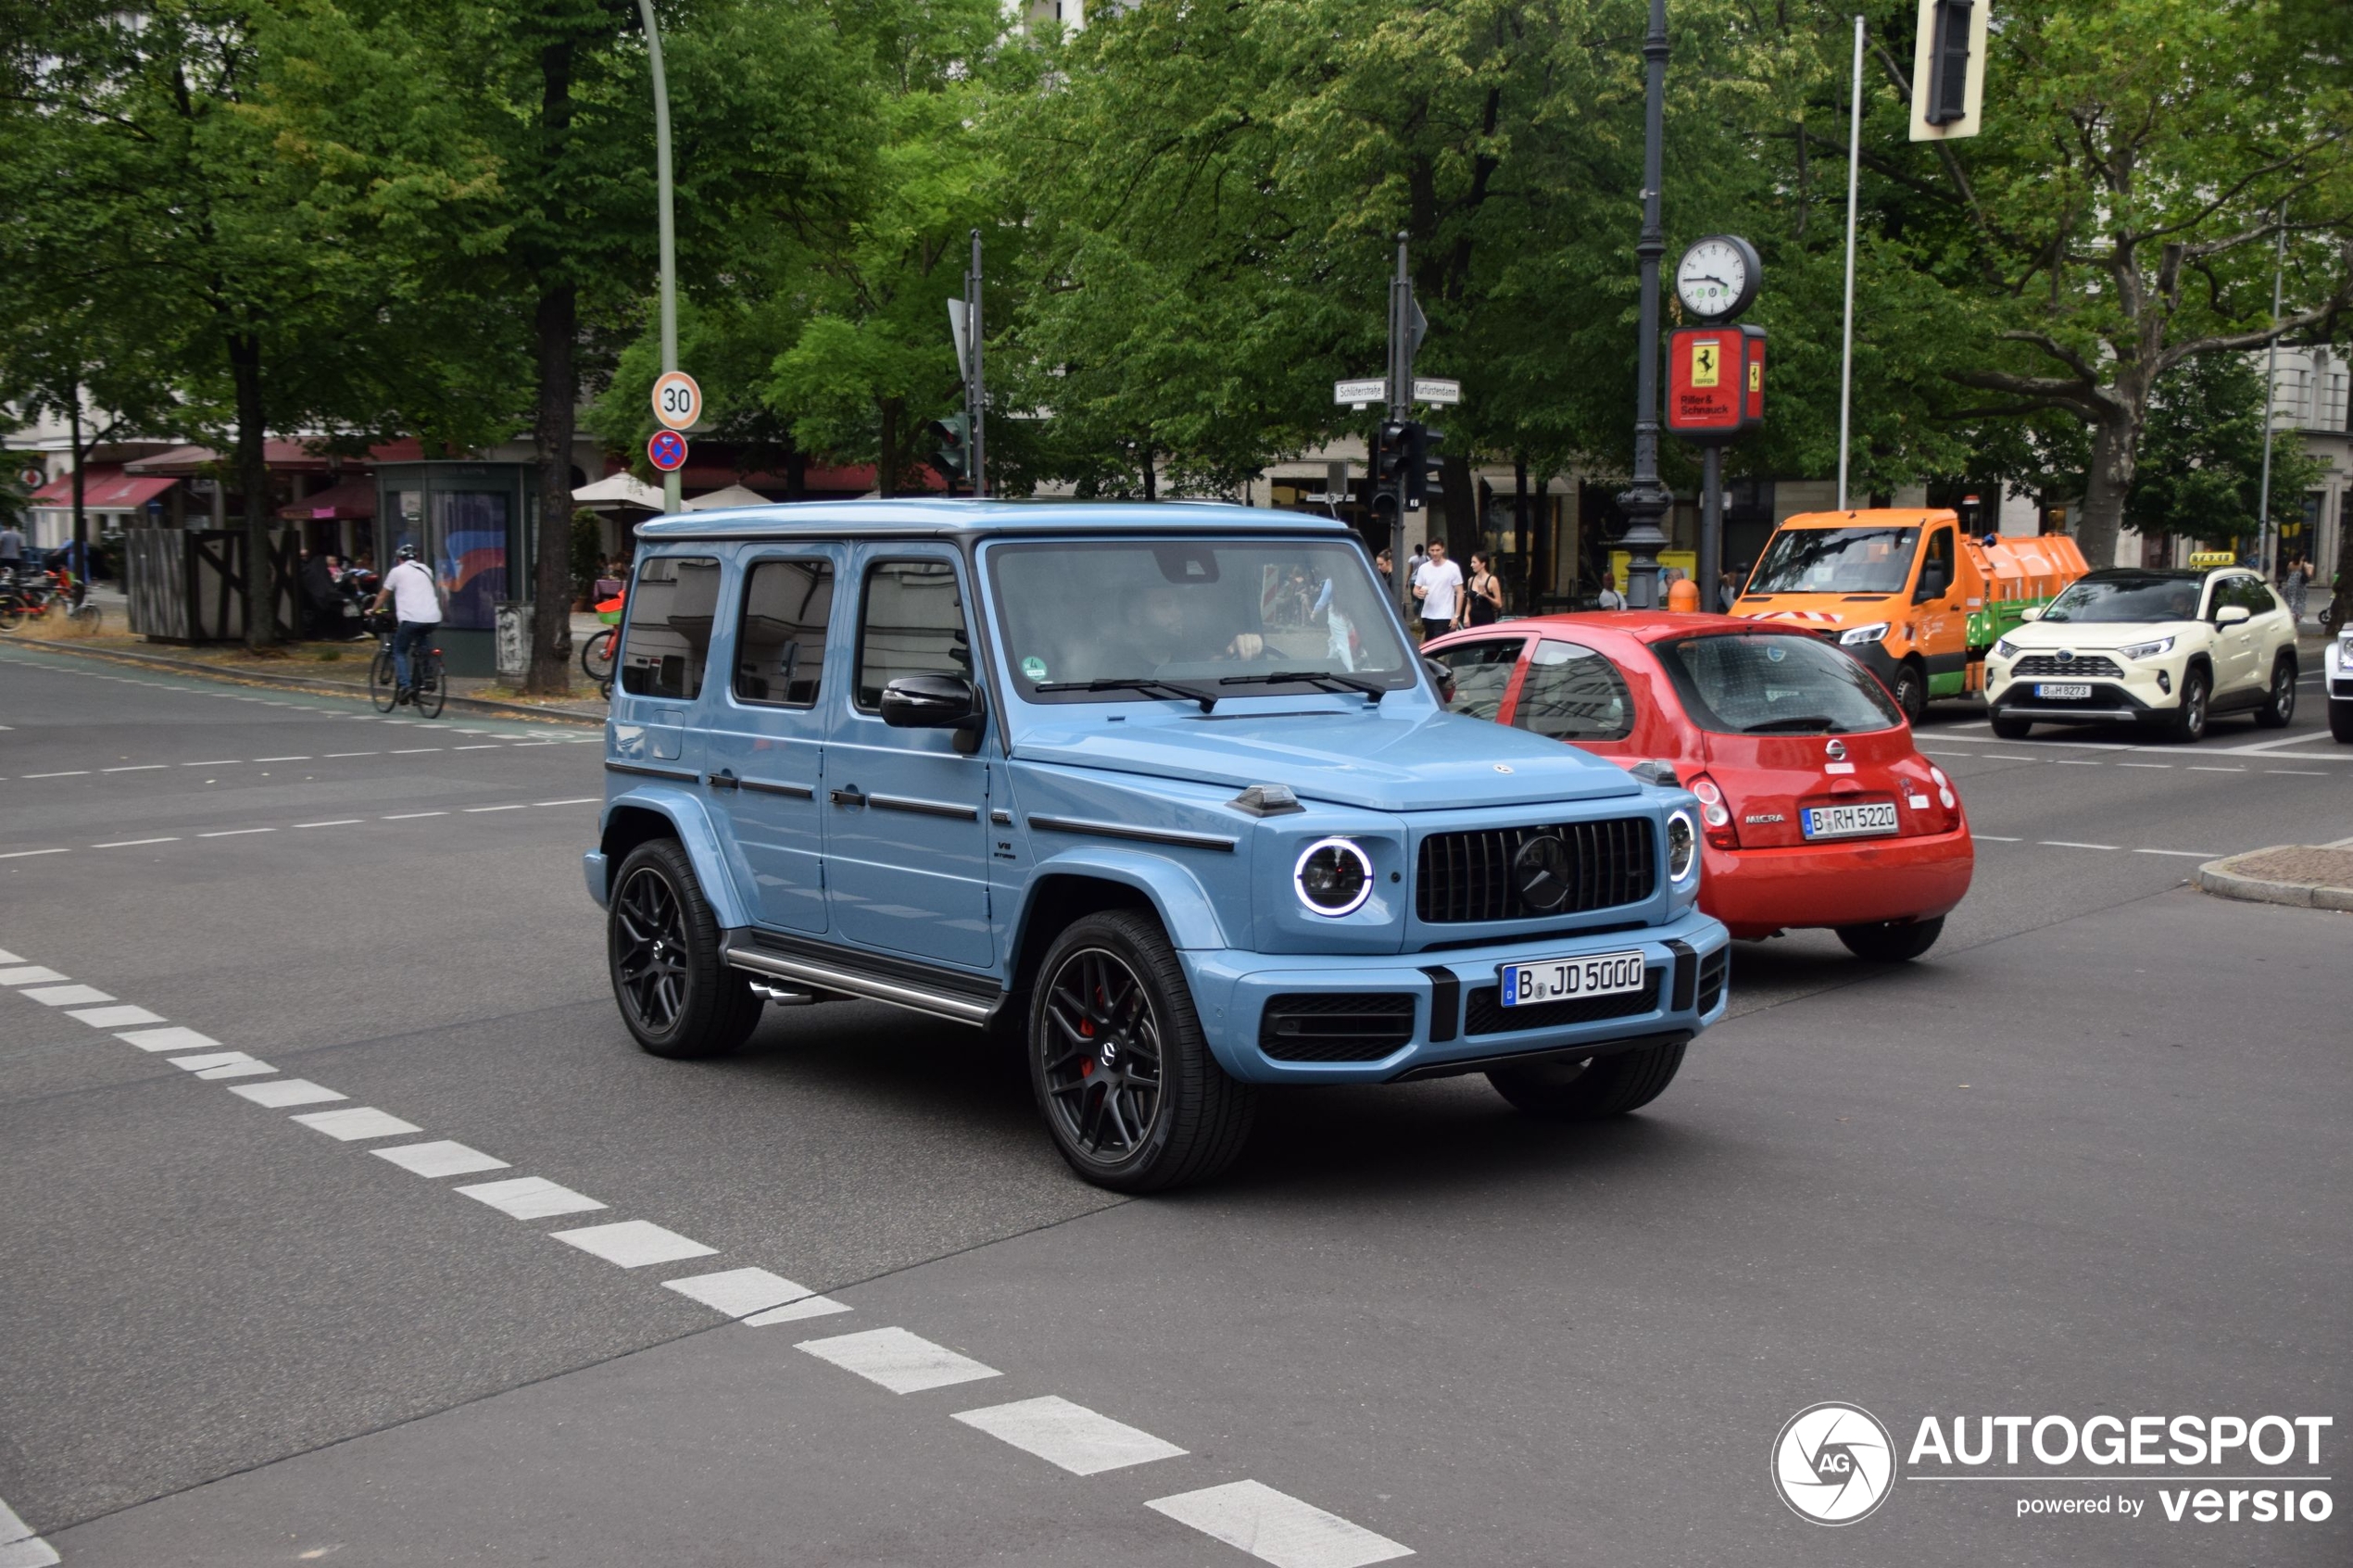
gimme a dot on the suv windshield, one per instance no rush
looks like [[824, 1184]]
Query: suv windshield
[[2111, 599], [1836, 560], [1774, 683], [1216, 615]]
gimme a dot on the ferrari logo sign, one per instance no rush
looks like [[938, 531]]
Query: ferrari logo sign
[[1706, 361]]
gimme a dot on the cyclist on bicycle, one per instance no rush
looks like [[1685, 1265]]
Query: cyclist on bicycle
[[416, 605]]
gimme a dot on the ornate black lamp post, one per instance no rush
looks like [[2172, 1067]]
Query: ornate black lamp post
[[1646, 501]]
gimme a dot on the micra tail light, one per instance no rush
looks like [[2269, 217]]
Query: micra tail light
[[1714, 812], [1946, 795]]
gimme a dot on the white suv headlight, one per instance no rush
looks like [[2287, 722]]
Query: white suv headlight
[[1856, 636], [2149, 649], [2006, 649]]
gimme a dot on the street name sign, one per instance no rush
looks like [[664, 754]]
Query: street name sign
[[1437, 389], [677, 400], [1363, 390]]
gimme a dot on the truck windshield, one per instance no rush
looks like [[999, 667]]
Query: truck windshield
[[1836, 560], [1774, 683], [2126, 600], [1198, 611]]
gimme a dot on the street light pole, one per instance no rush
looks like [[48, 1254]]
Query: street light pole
[[1400, 408], [2263, 552], [1645, 501], [1846, 334], [669, 227], [975, 380]]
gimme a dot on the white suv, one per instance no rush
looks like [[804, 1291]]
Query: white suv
[[2340, 678], [2162, 648]]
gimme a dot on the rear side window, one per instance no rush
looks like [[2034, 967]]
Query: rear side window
[[1482, 673], [780, 653], [672, 606], [1573, 694], [1774, 683], [913, 625]]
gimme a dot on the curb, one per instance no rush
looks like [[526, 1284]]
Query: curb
[[313, 684], [2216, 878]]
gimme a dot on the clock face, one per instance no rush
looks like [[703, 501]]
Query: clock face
[[1714, 279]]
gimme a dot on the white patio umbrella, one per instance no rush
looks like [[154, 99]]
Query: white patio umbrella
[[734, 495], [619, 490]]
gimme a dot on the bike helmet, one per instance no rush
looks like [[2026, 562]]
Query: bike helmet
[[406, 552]]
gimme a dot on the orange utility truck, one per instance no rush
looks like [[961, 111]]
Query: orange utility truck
[[1905, 591]]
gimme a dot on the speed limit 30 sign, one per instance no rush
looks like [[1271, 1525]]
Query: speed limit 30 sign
[[677, 400]]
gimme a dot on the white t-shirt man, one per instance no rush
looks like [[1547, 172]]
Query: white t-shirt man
[[414, 601], [1439, 580]]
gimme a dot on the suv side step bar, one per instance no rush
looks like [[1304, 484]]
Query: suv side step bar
[[827, 975]]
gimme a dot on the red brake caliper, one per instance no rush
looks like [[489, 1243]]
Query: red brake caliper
[[1086, 1031]]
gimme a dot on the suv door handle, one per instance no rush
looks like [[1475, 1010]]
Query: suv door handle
[[849, 795], [723, 779]]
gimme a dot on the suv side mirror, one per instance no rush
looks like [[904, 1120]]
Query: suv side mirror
[[2230, 615], [935, 702], [2031, 612], [1442, 677]]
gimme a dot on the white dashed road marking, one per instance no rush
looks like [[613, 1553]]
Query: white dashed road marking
[[807, 1307], [1070, 1436], [2069, 844], [133, 843], [360, 1121], [223, 1064], [30, 974], [19, 1547], [285, 1092], [1276, 1528], [740, 1292], [172, 1039], [66, 995], [633, 1244], [531, 1198], [23, 854], [443, 1159], [2185, 854], [121, 1016], [901, 1361]]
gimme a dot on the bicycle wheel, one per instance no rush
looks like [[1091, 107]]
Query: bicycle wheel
[[433, 688], [383, 687], [11, 615], [595, 656], [88, 617]]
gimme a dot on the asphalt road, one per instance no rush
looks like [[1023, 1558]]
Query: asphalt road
[[2086, 1158]]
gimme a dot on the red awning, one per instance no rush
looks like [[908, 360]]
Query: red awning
[[104, 489], [353, 497]]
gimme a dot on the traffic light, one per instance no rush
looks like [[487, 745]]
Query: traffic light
[[1389, 452], [1419, 439], [953, 450]]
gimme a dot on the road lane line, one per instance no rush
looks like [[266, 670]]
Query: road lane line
[[119, 1017], [415, 750], [1277, 1528], [31, 974], [477, 810], [487, 746], [2197, 768], [285, 1092], [2069, 844], [222, 1064], [2078, 763], [360, 1121], [410, 815], [576, 800], [531, 1198], [739, 1292], [355, 754], [19, 1547], [234, 833], [2185, 854], [139, 767], [172, 1039], [2272, 744], [1994, 838], [337, 823], [633, 1244], [440, 1159], [901, 1361], [281, 759], [133, 843], [28, 854], [65, 774], [66, 995], [224, 763], [807, 1307], [1068, 1436], [2301, 772], [2144, 764]]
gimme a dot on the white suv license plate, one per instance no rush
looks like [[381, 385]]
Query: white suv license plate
[[1850, 821], [2061, 691], [1560, 980]]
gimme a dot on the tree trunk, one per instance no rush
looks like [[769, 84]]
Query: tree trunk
[[2116, 450], [887, 459], [796, 475], [556, 328], [81, 461], [1519, 520], [1148, 456], [252, 472], [1459, 489]]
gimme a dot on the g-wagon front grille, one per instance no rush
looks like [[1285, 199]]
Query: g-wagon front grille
[[2085, 666], [1326, 1027], [1488, 1015], [1471, 876]]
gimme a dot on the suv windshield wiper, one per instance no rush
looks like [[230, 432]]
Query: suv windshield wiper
[[1330, 680], [1798, 721], [1208, 700]]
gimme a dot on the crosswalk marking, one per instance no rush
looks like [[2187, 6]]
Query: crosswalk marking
[[285, 1092], [633, 1244], [1070, 1436], [1276, 1528], [531, 1198], [360, 1121], [172, 1039], [441, 1158], [901, 1361], [739, 1292], [115, 1017]]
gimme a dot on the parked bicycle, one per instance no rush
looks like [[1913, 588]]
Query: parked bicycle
[[430, 683], [597, 655]]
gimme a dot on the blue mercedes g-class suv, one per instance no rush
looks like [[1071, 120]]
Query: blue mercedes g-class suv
[[1161, 791]]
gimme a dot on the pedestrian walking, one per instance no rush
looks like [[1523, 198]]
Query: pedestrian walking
[[1484, 600], [1438, 582], [1610, 597], [11, 546], [2298, 584], [1385, 564]]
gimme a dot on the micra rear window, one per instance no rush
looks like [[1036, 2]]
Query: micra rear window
[[1774, 684]]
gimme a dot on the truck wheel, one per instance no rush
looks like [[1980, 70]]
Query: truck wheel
[[669, 975], [2341, 720], [2279, 709], [1596, 1088], [2012, 728], [1121, 1070], [2189, 719], [1892, 941], [1911, 691]]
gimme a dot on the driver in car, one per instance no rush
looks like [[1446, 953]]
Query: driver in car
[[1165, 636]]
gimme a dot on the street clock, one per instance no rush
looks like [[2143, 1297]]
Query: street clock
[[1717, 277]]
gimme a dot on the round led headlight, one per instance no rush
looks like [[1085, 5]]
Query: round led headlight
[[1333, 877], [1682, 846]]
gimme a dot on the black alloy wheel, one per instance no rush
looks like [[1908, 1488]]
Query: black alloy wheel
[[2189, 719], [662, 945], [1121, 1070], [2005, 728], [1911, 691], [2279, 709]]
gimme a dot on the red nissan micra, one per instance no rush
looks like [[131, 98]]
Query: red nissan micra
[[1818, 810]]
